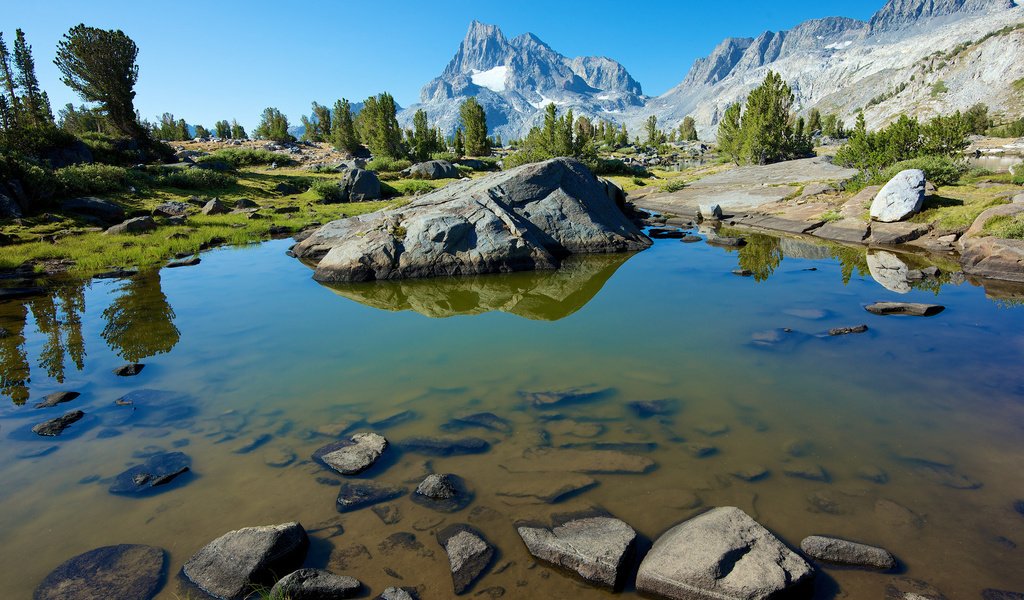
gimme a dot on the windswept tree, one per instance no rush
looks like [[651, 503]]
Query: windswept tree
[[474, 124], [100, 65], [343, 131], [318, 127], [202, 132], [273, 126]]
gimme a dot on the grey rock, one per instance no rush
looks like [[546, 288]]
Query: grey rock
[[546, 490], [245, 204], [9, 209], [901, 198], [57, 398], [396, 593], [847, 330], [709, 212], [654, 408], [596, 548], [122, 572], [355, 495], [56, 426], [529, 217], [355, 455], [437, 486], [722, 553], [133, 226], [230, 566], [215, 207], [483, 420], [904, 308], [184, 262], [576, 395], [171, 209], [469, 555], [159, 469], [359, 185], [94, 207], [836, 550], [315, 584], [994, 594], [434, 169]]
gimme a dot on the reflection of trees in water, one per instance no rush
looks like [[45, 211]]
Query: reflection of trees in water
[[761, 255], [14, 369], [58, 316], [850, 260], [140, 321]]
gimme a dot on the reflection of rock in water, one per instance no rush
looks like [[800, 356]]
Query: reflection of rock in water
[[794, 248], [538, 295], [889, 271], [140, 322]]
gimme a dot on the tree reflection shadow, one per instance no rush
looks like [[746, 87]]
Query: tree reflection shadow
[[140, 322]]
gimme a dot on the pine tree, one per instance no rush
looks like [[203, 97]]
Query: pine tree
[[474, 122], [814, 122], [688, 129], [202, 132], [237, 131], [422, 138], [343, 133], [8, 84], [729, 139], [34, 105], [651, 126], [378, 128], [622, 139], [273, 126], [459, 145], [222, 129]]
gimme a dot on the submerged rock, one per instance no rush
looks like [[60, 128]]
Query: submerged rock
[[159, 469], [483, 420], [315, 584], [122, 572], [129, 370], [397, 593], [443, 492], [525, 218], [722, 553], [232, 565], [654, 408], [567, 396], [901, 198], [353, 456], [355, 495], [469, 555], [540, 460], [836, 550], [549, 490], [437, 486], [56, 426], [904, 308], [444, 446], [596, 548]]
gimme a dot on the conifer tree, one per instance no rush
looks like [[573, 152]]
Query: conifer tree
[[474, 123], [343, 133]]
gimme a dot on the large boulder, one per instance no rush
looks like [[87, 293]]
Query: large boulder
[[723, 553], [9, 209], [133, 226], [596, 548], [529, 217], [434, 169], [845, 552], [901, 198], [122, 572], [469, 555], [230, 566], [94, 207], [359, 185]]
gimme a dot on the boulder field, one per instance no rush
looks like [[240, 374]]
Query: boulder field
[[529, 217]]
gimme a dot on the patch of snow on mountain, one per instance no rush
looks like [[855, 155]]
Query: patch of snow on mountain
[[492, 79]]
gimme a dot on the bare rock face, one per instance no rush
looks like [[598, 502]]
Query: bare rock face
[[529, 217], [900, 198], [723, 553], [596, 548], [231, 565]]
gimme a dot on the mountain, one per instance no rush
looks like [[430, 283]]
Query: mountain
[[513, 79], [920, 57], [898, 62]]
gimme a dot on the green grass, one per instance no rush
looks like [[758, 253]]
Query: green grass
[[956, 207], [674, 185], [1006, 226], [248, 157], [831, 216]]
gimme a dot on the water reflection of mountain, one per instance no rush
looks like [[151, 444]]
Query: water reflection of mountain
[[536, 295], [139, 324]]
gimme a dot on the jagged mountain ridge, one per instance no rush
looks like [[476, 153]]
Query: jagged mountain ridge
[[837, 64]]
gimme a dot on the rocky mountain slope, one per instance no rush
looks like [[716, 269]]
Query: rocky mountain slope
[[920, 57]]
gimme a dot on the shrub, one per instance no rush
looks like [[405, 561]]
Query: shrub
[[638, 181], [245, 157], [196, 179], [385, 164], [448, 156], [78, 180], [673, 186], [940, 170], [830, 216], [326, 190], [613, 166], [413, 187], [38, 182]]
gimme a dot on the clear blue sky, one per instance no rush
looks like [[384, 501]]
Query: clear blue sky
[[205, 61]]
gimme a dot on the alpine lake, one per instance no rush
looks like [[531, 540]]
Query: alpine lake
[[909, 436]]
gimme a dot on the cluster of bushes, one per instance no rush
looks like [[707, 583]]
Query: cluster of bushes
[[247, 157], [936, 147], [326, 190], [764, 130], [386, 164], [195, 179], [80, 180]]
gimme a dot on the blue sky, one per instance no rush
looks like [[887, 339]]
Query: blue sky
[[205, 61]]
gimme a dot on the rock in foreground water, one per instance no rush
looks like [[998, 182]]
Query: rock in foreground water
[[526, 218], [596, 548], [469, 555], [230, 566], [904, 308], [158, 470], [122, 572], [722, 553], [56, 426], [360, 494], [845, 552], [315, 584], [355, 455], [57, 398]]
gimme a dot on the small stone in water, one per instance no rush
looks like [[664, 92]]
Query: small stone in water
[[129, 370]]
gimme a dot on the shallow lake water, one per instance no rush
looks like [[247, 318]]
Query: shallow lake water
[[909, 436]]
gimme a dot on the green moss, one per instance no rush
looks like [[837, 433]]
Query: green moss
[[1006, 226], [956, 207], [831, 216]]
